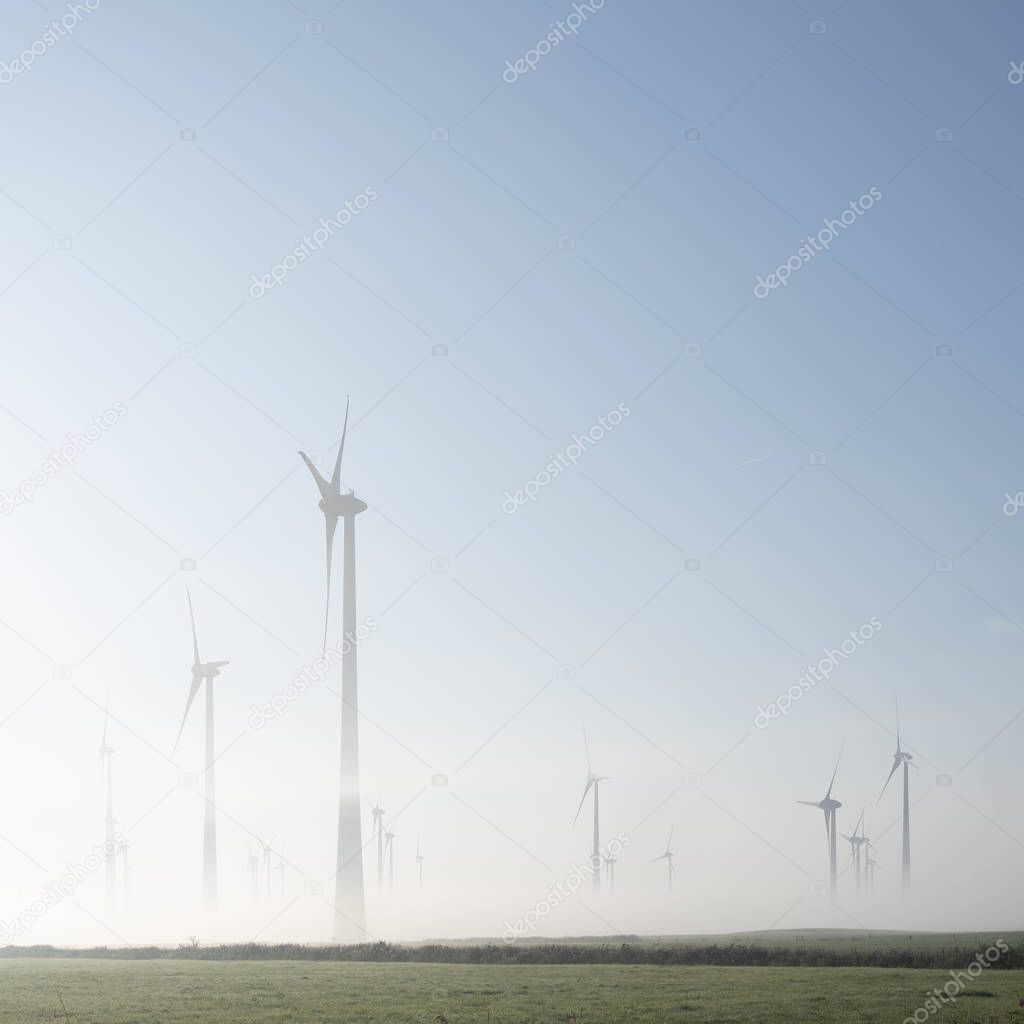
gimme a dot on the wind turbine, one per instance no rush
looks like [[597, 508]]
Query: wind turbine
[[419, 861], [349, 897], [109, 824], [204, 672], [856, 842], [390, 853], [593, 782], [378, 830], [667, 856], [829, 806], [280, 869], [901, 757]]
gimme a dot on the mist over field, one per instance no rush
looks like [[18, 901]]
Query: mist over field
[[679, 363]]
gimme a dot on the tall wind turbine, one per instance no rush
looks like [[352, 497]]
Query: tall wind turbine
[[125, 878], [280, 869], [901, 757], [389, 838], [419, 862], [593, 783], [667, 856], [378, 831], [109, 823], [204, 672], [349, 898], [267, 851], [829, 806]]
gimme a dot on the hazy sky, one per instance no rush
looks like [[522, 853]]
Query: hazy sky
[[531, 251]]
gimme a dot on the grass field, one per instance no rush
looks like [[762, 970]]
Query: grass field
[[276, 992]]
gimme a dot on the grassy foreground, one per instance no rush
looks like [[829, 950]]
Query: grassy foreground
[[276, 992]]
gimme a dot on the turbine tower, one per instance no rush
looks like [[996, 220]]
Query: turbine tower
[[378, 831], [349, 898], [829, 806], [901, 757], [204, 672], [109, 823], [667, 856], [419, 862], [593, 782]]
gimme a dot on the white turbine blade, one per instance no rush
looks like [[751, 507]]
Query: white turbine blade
[[322, 485], [197, 681], [195, 638], [336, 476], [586, 747], [331, 524]]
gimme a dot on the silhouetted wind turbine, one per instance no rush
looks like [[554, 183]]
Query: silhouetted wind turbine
[[419, 861], [667, 856], [349, 898], [829, 806], [593, 782], [125, 881], [267, 851], [378, 830], [901, 757], [280, 869], [204, 672], [109, 823]]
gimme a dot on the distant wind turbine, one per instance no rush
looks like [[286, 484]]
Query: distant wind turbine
[[253, 867], [901, 757], [267, 851], [125, 878], [419, 861], [829, 806], [593, 783], [667, 856], [349, 896], [205, 672], [109, 823], [609, 866]]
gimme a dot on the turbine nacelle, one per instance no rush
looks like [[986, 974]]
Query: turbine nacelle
[[342, 505]]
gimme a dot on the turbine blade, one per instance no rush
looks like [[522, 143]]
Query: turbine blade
[[892, 772], [832, 783], [810, 803], [197, 681], [336, 476], [195, 638], [331, 523], [586, 747], [322, 485], [586, 790]]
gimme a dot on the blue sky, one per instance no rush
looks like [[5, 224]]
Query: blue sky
[[538, 252]]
